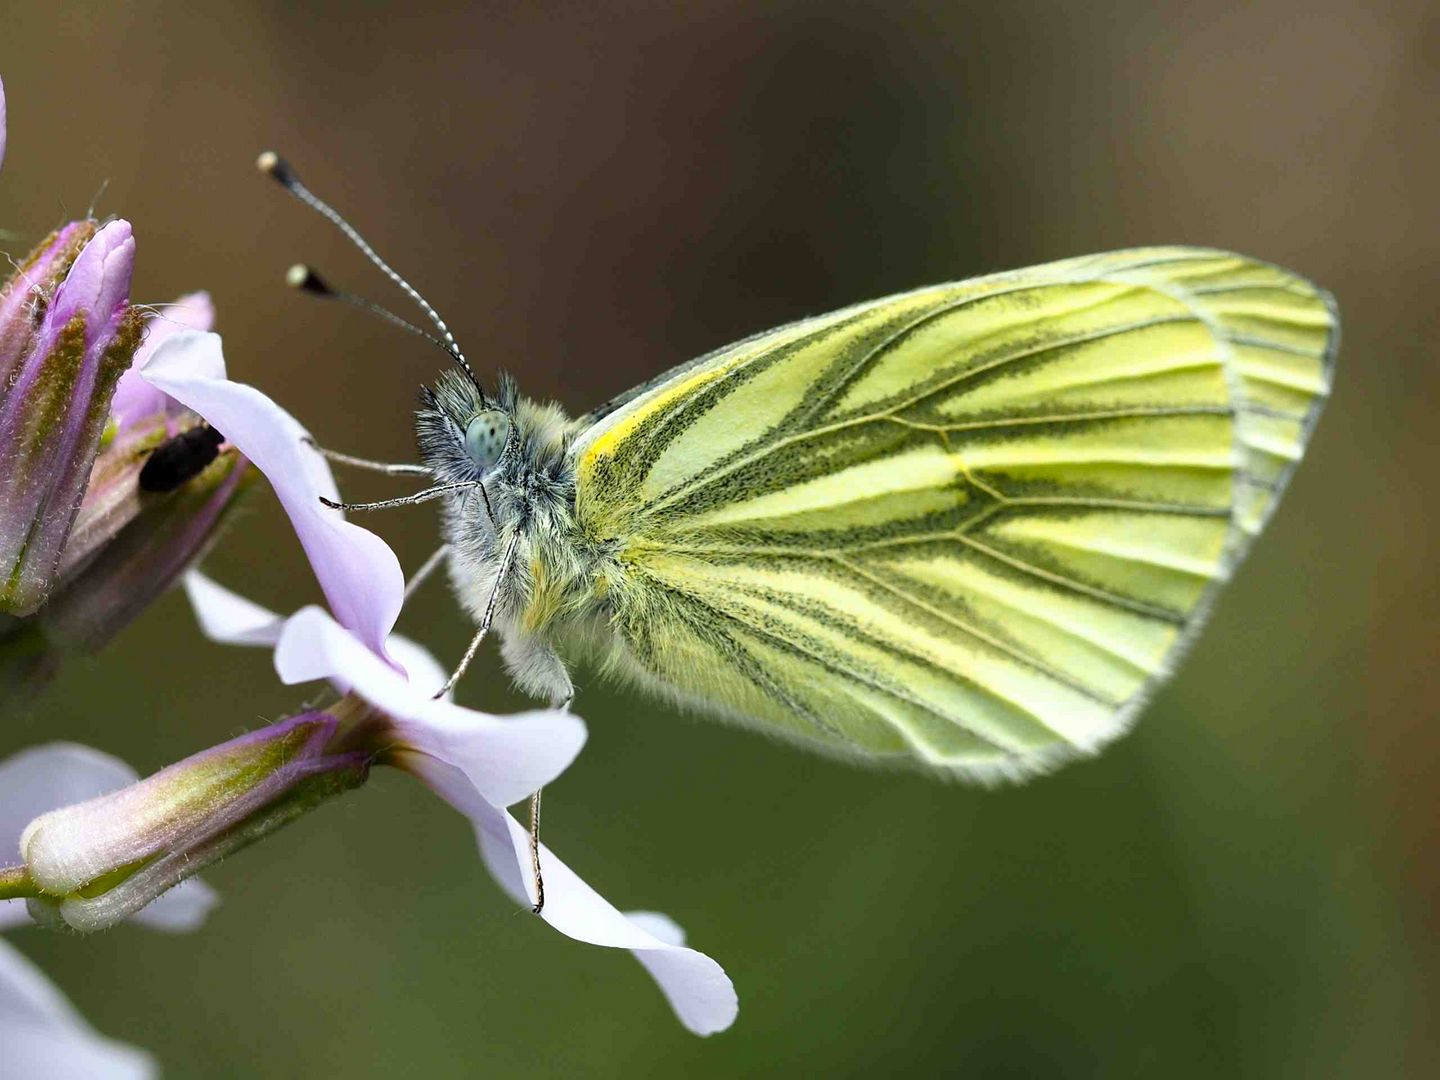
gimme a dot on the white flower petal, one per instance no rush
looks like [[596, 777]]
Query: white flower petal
[[658, 925], [506, 758], [41, 1034], [228, 617], [181, 910], [13, 913], [696, 986], [424, 671], [358, 572]]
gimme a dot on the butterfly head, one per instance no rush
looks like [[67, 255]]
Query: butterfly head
[[462, 435], [514, 449]]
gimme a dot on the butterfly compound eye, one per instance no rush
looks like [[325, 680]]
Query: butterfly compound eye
[[485, 437]]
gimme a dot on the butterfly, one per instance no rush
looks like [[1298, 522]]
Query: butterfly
[[969, 527]]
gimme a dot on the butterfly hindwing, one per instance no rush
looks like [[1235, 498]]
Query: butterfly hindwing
[[969, 525]]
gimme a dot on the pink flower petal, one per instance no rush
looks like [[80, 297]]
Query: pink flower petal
[[504, 758], [135, 399], [358, 572], [41, 1033], [696, 986], [98, 283], [231, 619], [2, 123]]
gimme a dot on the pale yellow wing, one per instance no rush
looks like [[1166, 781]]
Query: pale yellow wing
[[969, 525]]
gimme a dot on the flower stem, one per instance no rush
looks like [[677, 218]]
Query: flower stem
[[16, 882]]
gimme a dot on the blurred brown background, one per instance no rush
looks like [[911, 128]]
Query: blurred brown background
[[1246, 886]]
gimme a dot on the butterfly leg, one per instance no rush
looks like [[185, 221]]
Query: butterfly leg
[[537, 669], [486, 619], [561, 689], [535, 852], [387, 468], [419, 497], [428, 567], [459, 672], [539, 878]]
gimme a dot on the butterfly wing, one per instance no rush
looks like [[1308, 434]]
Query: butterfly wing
[[971, 525]]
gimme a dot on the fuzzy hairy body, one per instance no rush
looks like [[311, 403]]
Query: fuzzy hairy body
[[568, 588], [530, 498], [970, 527]]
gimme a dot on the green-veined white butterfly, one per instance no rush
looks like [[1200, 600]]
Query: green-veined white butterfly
[[969, 527]]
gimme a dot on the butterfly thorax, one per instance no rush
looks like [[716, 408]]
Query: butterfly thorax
[[525, 496]]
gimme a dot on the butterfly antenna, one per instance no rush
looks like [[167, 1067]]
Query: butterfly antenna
[[276, 167], [306, 280]]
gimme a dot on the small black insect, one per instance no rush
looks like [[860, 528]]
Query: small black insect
[[180, 457]]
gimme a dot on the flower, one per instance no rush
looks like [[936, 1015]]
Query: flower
[[90, 864], [40, 1031], [477, 764], [311, 645], [109, 489], [96, 861]]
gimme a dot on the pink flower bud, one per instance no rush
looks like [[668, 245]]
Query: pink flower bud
[[97, 862], [63, 348]]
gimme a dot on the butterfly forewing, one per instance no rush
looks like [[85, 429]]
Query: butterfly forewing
[[968, 525]]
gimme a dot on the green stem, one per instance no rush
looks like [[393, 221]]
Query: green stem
[[15, 882]]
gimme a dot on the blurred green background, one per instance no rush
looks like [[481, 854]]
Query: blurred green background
[[1245, 886]]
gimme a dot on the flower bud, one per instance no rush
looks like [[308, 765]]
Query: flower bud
[[23, 298], [67, 333], [97, 862]]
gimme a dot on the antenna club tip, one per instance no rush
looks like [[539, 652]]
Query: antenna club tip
[[303, 278], [272, 164]]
